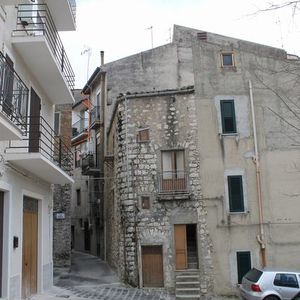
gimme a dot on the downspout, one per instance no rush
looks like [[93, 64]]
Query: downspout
[[260, 237]]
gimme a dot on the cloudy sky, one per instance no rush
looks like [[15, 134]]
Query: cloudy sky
[[119, 27]]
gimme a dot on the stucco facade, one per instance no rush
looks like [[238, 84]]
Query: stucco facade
[[30, 160], [194, 94]]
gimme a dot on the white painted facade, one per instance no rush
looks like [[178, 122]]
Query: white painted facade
[[23, 173]]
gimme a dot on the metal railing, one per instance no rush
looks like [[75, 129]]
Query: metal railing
[[13, 95], [88, 160], [36, 20], [41, 138], [79, 127], [173, 182], [95, 114]]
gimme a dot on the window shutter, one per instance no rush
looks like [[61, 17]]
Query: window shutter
[[228, 116], [235, 191]]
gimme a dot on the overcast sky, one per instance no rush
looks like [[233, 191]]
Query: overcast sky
[[119, 27]]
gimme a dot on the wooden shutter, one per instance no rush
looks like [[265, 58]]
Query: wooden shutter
[[243, 263], [235, 192]]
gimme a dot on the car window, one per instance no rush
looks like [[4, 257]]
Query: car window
[[287, 280], [253, 275]]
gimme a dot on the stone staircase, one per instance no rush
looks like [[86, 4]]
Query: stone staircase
[[187, 285], [192, 258]]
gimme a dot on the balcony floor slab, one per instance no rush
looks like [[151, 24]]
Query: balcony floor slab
[[40, 166], [8, 130]]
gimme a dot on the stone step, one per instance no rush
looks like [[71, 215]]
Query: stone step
[[187, 278], [187, 297], [187, 284], [187, 291]]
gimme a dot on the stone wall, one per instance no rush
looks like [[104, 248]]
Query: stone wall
[[172, 122], [62, 200]]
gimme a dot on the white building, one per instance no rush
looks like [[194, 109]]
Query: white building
[[35, 74]]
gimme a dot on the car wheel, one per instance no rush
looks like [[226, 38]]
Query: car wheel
[[271, 298]]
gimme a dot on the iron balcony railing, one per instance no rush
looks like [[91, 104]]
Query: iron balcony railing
[[36, 20], [41, 138], [13, 95], [89, 164], [80, 127], [173, 182], [95, 115]]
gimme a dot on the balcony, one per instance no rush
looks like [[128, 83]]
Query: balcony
[[89, 165], [42, 153], [63, 13], [14, 2], [173, 186], [37, 41], [95, 117], [80, 130], [13, 103]]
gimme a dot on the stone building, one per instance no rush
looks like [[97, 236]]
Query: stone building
[[200, 162], [62, 194], [35, 75], [87, 231]]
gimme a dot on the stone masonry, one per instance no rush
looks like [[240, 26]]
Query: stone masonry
[[171, 119], [62, 200]]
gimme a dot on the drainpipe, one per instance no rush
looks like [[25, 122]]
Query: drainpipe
[[260, 237]]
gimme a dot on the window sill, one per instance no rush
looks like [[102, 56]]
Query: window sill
[[233, 213]]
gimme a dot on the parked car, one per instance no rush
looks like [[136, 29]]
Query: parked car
[[270, 284], [297, 297]]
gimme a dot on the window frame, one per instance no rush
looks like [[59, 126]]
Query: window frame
[[224, 131], [227, 53], [174, 170], [140, 137], [141, 202]]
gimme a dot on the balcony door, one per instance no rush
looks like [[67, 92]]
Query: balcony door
[[173, 177], [8, 86], [34, 122]]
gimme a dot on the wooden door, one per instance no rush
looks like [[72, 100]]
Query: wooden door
[[34, 122], [30, 238], [180, 246], [152, 265], [1, 238]]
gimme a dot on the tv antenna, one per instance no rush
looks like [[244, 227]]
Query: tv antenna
[[87, 51]]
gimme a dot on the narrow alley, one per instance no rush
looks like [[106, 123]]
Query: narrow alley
[[91, 278]]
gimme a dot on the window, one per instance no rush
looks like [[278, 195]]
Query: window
[[57, 123], [227, 59], [173, 175], [78, 197], [243, 261], [235, 193], [228, 116], [77, 157], [287, 280], [145, 202], [143, 135]]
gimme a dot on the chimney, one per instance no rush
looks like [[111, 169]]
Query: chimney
[[102, 57]]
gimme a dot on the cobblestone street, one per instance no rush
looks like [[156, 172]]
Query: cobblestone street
[[91, 278]]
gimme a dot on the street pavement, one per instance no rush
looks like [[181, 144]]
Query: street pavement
[[91, 278]]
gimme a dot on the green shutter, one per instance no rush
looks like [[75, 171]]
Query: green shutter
[[243, 259], [228, 116], [235, 193]]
